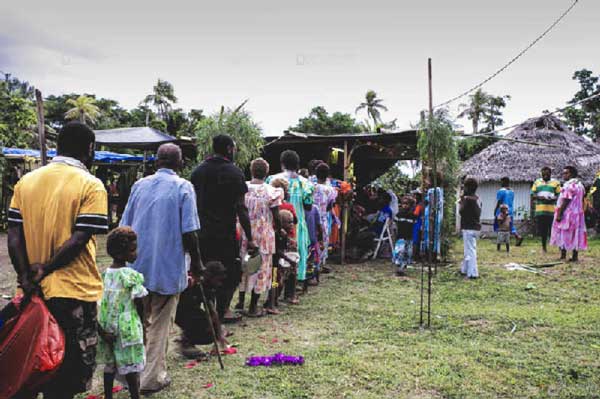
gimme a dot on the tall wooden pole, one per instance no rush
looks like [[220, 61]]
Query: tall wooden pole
[[430, 88], [433, 226], [41, 125], [432, 204], [344, 206]]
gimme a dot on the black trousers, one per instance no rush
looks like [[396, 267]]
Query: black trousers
[[544, 226], [226, 251]]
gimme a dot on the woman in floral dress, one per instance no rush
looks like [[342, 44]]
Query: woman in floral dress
[[324, 198], [262, 201], [121, 348], [568, 230]]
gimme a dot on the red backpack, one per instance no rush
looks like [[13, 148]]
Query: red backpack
[[32, 347]]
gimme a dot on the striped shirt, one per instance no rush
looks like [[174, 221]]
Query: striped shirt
[[545, 194]]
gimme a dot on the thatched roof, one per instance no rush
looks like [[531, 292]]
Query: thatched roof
[[522, 161]]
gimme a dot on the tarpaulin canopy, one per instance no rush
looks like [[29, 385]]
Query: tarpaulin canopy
[[142, 138], [100, 156]]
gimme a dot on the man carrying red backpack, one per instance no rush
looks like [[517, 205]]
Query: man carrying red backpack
[[54, 214]]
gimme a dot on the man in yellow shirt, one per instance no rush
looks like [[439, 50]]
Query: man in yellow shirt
[[544, 194], [54, 214]]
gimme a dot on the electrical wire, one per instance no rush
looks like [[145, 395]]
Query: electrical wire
[[513, 60]]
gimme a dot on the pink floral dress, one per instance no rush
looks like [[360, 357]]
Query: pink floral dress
[[323, 196], [570, 233], [260, 199]]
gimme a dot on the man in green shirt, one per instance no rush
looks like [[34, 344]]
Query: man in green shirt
[[544, 194]]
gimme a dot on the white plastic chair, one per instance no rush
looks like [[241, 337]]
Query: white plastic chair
[[386, 234]]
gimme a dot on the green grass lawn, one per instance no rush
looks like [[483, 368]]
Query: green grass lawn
[[359, 333]]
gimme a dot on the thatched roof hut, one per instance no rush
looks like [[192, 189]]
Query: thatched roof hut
[[522, 161]]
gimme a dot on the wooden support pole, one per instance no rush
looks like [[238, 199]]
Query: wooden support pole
[[345, 206], [144, 163], [432, 226], [433, 212], [430, 88], [41, 125]]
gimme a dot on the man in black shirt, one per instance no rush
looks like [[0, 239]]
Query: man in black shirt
[[220, 191]]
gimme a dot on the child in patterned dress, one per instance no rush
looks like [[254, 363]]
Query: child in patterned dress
[[283, 265], [121, 348]]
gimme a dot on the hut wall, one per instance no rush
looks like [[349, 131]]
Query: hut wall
[[487, 194]]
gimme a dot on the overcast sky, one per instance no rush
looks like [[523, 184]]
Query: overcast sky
[[287, 57]]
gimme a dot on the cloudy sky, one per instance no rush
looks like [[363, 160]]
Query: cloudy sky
[[287, 57]]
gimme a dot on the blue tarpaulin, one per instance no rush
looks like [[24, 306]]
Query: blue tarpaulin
[[101, 156]]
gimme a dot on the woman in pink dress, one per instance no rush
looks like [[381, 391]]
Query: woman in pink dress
[[262, 201], [568, 230]]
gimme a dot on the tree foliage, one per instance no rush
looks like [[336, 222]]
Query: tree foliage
[[483, 108], [584, 119], [18, 118], [84, 109], [486, 108], [238, 124], [469, 146], [162, 98], [396, 180], [438, 150], [319, 121], [373, 106]]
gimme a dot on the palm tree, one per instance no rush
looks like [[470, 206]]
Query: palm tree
[[372, 105], [476, 109], [162, 97], [84, 109]]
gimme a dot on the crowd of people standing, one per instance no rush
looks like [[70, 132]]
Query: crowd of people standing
[[217, 231], [182, 241]]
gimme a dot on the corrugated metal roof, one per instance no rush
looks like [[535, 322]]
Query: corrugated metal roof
[[145, 138], [338, 139]]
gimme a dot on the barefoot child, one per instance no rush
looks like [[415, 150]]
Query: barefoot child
[[504, 221], [121, 348]]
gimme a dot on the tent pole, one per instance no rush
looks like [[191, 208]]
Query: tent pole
[[41, 125]]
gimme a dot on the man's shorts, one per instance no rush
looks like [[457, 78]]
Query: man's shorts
[[78, 320], [503, 237]]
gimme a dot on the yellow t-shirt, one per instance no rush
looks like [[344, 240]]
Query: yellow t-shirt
[[52, 202]]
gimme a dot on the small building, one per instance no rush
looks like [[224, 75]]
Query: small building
[[519, 158]]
